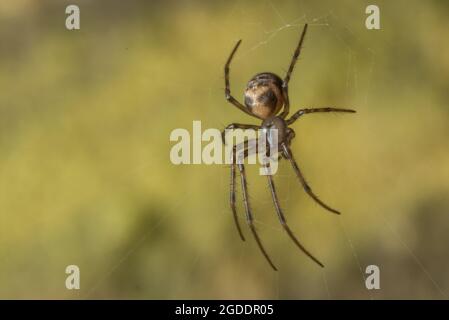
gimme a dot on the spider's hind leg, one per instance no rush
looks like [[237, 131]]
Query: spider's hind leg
[[228, 95]]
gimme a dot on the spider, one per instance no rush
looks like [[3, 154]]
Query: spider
[[265, 95]]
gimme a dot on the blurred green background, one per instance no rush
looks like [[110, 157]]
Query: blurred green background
[[86, 179]]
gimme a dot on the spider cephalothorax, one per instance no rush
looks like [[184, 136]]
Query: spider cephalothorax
[[265, 95]]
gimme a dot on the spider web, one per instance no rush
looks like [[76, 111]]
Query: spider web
[[351, 84], [329, 21], [341, 31]]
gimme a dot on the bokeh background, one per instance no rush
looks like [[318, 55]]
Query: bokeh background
[[86, 179]]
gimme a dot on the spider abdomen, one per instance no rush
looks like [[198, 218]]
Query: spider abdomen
[[263, 95]]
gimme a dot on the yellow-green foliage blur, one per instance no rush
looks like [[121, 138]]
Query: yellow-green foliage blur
[[86, 178]]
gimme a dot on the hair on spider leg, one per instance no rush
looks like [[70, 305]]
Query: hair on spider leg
[[267, 99]]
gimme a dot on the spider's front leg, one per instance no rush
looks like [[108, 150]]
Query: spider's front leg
[[247, 151], [289, 156], [283, 221], [249, 215], [232, 198]]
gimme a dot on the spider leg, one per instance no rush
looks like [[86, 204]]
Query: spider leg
[[284, 222], [232, 198], [295, 55], [288, 154], [233, 126], [284, 113], [301, 112], [286, 109], [228, 95], [249, 216], [232, 202]]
